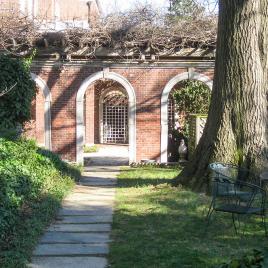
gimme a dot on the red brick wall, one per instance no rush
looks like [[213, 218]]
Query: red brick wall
[[35, 129], [148, 85]]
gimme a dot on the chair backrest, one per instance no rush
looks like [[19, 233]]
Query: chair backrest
[[224, 171], [233, 173]]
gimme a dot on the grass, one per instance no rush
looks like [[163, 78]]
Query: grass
[[91, 149], [156, 225]]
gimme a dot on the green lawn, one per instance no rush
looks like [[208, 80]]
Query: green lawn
[[157, 225]]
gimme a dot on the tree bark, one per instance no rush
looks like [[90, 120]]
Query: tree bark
[[236, 129]]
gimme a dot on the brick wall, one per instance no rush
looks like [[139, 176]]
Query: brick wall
[[64, 83], [35, 129]]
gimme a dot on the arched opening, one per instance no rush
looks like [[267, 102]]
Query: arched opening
[[106, 106], [173, 117], [39, 128]]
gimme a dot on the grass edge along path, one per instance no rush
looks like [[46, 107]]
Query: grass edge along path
[[160, 226]]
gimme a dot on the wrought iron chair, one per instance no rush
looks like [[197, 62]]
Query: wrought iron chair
[[231, 193]]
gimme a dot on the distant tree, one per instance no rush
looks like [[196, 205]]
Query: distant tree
[[185, 8]]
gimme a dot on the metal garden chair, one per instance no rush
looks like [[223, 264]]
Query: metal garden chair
[[231, 193]]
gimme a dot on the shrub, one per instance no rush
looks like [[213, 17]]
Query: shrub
[[32, 183], [190, 97], [15, 106]]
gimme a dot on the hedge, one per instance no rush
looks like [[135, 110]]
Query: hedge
[[33, 182]]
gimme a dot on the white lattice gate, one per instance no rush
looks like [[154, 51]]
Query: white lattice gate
[[115, 118]]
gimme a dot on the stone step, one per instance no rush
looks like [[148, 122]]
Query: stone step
[[100, 175], [70, 250], [74, 238], [84, 208], [68, 262], [85, 203], [80, 228], [97, 211], [89, 197], [98, 183], [94, 190], [84, 219], [101, 169]]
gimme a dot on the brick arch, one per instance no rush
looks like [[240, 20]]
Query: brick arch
[[164, 105], [47, 108], [80, 129]]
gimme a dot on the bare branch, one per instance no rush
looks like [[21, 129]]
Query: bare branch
[[139, 31], [7, 90]]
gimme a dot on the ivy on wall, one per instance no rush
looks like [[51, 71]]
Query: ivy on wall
[[15, 105]]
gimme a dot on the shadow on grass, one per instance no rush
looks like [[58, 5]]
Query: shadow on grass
[[157, 225]]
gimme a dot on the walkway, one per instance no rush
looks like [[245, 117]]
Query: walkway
[[108, 155], [81, 234]]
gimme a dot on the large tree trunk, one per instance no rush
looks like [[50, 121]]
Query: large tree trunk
[[236, 130]]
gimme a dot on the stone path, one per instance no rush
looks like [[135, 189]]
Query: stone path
[[81, 234], [106, 156]]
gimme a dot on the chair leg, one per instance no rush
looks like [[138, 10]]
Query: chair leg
[[209, 216], [264, 223], [234, 223], [210, 210]]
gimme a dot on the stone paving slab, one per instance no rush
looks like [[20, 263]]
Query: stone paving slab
[[70, 249], [70, 262], [82, 212], [97, 190], [87, 203], [98, 183], [101, 169], [74, 238], [89, 197], [80, 228], [98, 175], [85, 219], [96, 179]]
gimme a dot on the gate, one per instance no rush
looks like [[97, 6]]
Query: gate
[[115, 118]]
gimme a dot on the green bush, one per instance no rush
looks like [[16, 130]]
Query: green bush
[[192, 97], [32, 184], [15, 106]]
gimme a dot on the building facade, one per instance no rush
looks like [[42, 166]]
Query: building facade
[[109, 101], [56, 14]]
